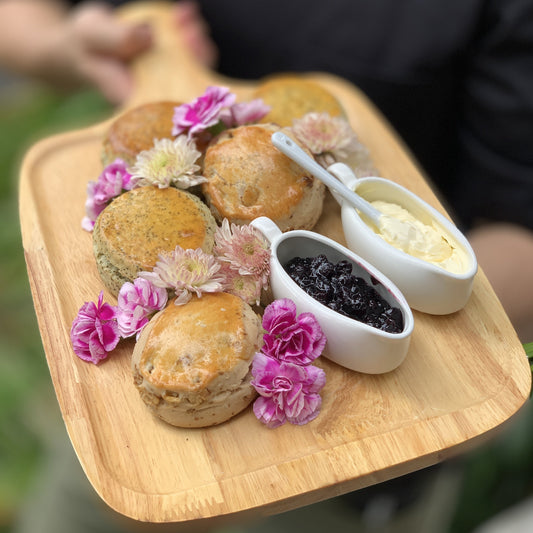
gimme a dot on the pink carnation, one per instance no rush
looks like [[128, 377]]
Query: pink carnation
[[248, 112], [137, 302], [291, 338], [112, 181], [288, 392], [94, 332], [203, 112]]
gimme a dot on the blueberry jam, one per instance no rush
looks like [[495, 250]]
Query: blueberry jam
[[335, 286]]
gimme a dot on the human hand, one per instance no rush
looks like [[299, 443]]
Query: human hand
[[195, 32], [88, 45], [95, 48]]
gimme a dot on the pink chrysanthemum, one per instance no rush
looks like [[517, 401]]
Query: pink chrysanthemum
[[114, 179], [203, 112], [288, 392], [290, 337], [246, 286], [94, 332], [186, 272], [137, 302], [244, 249], [329, 138]]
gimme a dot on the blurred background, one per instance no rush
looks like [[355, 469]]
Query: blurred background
[[489, 479], [29, 415]]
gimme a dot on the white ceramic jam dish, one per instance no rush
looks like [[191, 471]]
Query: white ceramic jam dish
[[350, 343], [427, 287]]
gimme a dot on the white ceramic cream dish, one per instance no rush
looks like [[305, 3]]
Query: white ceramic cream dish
[[427, 286], [350, 343]]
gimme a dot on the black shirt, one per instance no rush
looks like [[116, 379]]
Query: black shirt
[[454, 77]]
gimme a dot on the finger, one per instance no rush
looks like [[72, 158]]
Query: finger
[[195, 32], [100, 31], [110, 77], [204, 52]]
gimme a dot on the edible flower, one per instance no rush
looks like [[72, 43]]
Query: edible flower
[[245, 286], [215, 111], [245, 260], [287, 383], [137, 303], [186, 271], [288, 392], [169, 162], [330, 139], [244, 249], [113, 180], [94, 332], [248, 112], [296, 339], [203, 112]]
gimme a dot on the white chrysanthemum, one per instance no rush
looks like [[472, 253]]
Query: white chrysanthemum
[[169, 162]]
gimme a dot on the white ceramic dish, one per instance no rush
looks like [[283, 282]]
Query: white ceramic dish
[[350, 343], [427, 287]]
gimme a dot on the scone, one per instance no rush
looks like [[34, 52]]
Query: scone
[[248, 177], [292, 97], [191, 363], [135, 131], [136, 226]]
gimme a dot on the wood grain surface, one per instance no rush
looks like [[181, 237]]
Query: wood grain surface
[[464, 376]]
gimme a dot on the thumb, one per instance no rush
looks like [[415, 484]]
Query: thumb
[[101, 32], [195, 32]]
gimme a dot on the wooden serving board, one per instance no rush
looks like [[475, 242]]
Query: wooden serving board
[[465, 374]]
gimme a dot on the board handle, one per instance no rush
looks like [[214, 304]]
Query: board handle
[[168, 71]]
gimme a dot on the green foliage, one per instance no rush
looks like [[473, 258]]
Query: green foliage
[[529, 352], [24, 379]]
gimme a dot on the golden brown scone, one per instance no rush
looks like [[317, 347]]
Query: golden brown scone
[[248, 177], [191, 363], [136, 226], [292, 97], [135, 130]]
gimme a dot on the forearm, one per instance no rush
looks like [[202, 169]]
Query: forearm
[[505, 253]]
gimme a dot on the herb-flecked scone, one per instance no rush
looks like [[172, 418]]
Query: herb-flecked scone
[[139, 224], [192, 362], [135, 130], [291, 97], [248, 177]]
